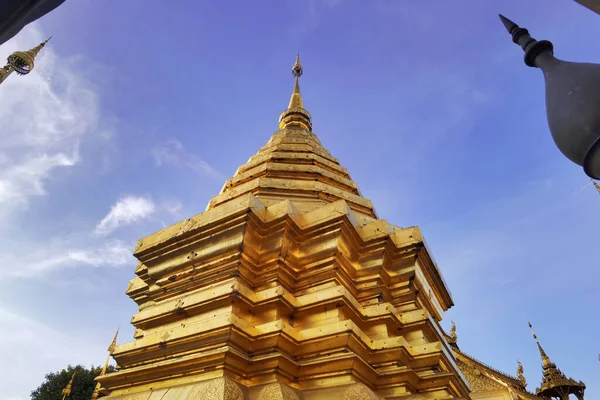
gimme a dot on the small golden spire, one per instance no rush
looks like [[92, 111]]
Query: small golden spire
[[96, 392], [545, 359], [21, 62], [67, 390], [110, 349], [296, 115], [595, 185], [297, 71], [520, 374]]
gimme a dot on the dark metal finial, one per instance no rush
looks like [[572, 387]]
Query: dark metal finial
[[508, 24], [521, 36]]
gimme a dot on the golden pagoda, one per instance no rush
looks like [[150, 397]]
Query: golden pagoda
[[21, 62], [288, 286]]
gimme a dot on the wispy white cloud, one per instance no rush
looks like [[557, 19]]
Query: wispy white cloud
[[173, 152], [128, 210], [24, 179], [43, 116]]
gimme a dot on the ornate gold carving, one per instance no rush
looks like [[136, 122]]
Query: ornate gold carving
[[220, 389], [359, 391], [277, 391], [520, 374], [289, 184], [453, 335], [478, 381]]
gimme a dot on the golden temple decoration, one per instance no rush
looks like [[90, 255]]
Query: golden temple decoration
[[112, 345], [452, 337], [555, 383], [358, 391], [453, 334], [67, 390], [21, 62], [520, 374], [545, 359], [110, 349], [596, 185], [296, 115]]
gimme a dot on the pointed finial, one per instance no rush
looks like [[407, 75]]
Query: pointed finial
[[296, 115], [521, 36], [111, 347], [595, 185], [508, 24], [297, 68], [67, 390], [545, 359]]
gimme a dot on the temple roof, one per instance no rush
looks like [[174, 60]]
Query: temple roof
[[476, 370]]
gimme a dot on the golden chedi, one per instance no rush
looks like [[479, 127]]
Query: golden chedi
[[288, 286]]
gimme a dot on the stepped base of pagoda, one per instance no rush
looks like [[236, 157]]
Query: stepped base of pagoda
[[225, 388]]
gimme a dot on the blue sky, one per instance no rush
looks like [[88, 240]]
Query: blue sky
[[138, 111]]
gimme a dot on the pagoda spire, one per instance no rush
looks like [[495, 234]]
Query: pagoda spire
[[296, 115], [545, 359], [21, 62], [555, 384], [111, 349], [67, 390]]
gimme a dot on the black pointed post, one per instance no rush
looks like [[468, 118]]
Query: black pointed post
[[572, 99]]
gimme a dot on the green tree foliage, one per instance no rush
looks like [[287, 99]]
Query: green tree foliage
[[83, 384]]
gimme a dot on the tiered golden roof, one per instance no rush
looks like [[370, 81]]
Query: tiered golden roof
[[288, 286]]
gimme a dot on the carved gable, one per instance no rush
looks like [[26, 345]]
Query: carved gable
[[478, 380]]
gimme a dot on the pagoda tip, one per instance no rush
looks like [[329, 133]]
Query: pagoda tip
[[508, 24]]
